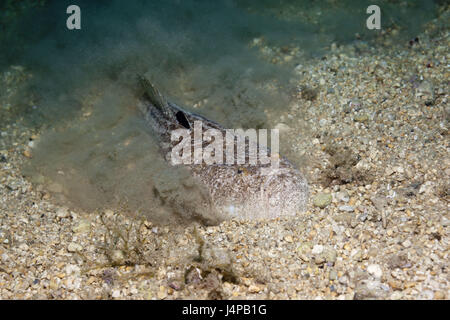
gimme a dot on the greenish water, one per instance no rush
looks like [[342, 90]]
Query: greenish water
[[194, 50]]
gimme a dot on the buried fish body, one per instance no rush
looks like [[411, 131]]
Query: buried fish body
[[252, 190]]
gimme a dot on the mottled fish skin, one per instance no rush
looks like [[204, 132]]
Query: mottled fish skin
[[236, 191]]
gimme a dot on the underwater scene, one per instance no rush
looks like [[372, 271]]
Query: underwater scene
[[224, 150]]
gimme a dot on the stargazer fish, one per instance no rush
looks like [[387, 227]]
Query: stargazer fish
[[235, 191]]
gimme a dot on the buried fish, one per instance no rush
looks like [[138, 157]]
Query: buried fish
[[253, 190]]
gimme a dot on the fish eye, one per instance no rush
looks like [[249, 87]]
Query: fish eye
[[181, 118]]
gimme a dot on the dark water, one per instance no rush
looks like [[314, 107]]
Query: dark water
[[193, 49], [228, 57]]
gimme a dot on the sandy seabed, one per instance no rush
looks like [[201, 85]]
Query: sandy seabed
[[377, 226]]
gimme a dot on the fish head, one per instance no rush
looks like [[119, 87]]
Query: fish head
[[161, 114]]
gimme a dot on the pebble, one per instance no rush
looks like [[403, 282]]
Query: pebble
[[367, 289], [322, 200], [425, 90], [397, 295], [115, 294], [333, 275], [254, 289], [118, 257], [319, 259], [356, 255], [363, 118], [62, 213], [23, 246], [427, 295], [375, 270], [53, 285], [346, 208], [439, 295], [330, 255], [317, 249], [74, 247], [426, 188], [407, 243], [27, 153], [343, 280], [379, 202], [162, 293], [342, 196], [82, 226]]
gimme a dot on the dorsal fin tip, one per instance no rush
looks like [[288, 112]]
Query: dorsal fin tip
[[152, 93]]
